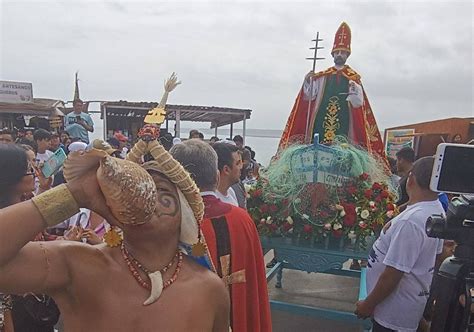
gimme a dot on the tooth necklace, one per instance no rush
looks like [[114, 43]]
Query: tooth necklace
[[156, 278]]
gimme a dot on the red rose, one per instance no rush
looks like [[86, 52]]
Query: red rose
[[264, 208], [364, 176], [378, 198], [349, 208], [273, 227], [384, 194], [351, 190], [258, 193], [324, 214], [307, 228], [287, 227], [376, 186], [349, 219], [337, 233], [368, 193], [273, 208], [390, 207]]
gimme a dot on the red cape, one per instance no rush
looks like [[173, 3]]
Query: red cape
[[230, 232]]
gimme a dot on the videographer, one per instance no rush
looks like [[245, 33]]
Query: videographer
[[402, 260]]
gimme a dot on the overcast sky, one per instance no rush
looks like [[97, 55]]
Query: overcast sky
[[415, 57]]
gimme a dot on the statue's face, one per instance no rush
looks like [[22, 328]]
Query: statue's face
[[340, 57]]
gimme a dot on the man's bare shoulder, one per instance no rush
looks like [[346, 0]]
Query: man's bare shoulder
[[81, 253], [199, 275], [207, 281]]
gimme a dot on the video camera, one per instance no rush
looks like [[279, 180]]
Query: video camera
[[460, 215], [453, 286]]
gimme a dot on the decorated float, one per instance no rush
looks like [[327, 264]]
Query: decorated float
[[327, 193]]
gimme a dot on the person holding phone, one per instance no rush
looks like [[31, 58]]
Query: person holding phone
[[78, 123]]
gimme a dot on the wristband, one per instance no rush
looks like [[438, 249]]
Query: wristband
[[56, 205]]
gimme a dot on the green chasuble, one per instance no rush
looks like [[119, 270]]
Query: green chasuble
[[332, 117]]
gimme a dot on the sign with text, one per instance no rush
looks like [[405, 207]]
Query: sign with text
[[317, 163], [397, 139], [16, 92]]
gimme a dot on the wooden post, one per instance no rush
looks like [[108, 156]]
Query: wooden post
[[231, 130], [177, 132], [105, 122], [244, 127]]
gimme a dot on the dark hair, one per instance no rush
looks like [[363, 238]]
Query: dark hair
[[201, 135], [41, 134], [193, 132], [421, 170], [200, 160], [167, 141], [238, 138], [252, 152], [14, 164], [406, 153], [224, 152], [393, 164], [54, 135]]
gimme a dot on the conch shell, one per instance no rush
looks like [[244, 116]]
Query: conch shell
[[129, 191]]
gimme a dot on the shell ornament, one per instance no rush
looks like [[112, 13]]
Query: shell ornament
[[129, 191]]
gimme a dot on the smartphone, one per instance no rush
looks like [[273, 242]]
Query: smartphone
[[78, 118], [54, 163], [453, 170]]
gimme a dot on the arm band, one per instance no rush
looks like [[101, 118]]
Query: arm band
[[56, 205]]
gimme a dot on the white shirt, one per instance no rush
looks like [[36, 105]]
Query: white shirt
[[405, 247], [42, 157], [230, 198]]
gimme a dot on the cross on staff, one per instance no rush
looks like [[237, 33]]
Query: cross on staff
[[315, 48]]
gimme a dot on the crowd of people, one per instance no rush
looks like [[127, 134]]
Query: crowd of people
[[237, 256], [399, 270]]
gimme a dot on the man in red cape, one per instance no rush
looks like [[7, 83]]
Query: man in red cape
[[332, 102], [232, 240]]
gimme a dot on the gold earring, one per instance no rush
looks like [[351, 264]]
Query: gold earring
[[113, 237]]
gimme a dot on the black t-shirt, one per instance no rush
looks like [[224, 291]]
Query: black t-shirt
[[402, 191]]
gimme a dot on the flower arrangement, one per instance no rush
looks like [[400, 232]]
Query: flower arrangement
[[351, 212]]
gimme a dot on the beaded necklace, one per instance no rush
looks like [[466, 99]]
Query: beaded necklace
[[132, 262]]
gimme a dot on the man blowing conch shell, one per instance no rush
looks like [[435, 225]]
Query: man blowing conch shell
[[143, 283]]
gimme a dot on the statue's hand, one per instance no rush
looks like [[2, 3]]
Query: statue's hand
[[172, 82]]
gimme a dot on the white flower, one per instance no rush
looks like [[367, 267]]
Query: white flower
[[372, 204], [289, 220], [269, 220], [389, 214], [339, 207], [357, 209], [342, 213], [337, 226], [364, 214], [290, 231], [297, 201], [247, 188], [327, 226], [305, 216], [352, 235], [362, 224]]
